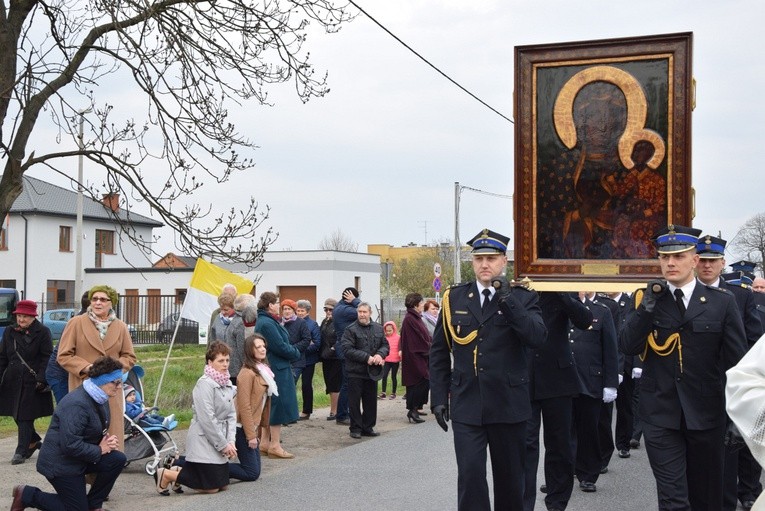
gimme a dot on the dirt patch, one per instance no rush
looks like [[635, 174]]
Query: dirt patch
[[134, 489]]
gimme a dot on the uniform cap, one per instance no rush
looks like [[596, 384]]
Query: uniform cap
[[674, 239], [489, 242], [711, 247]]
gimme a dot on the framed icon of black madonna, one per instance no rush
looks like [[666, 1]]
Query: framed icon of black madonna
[[602, 156]]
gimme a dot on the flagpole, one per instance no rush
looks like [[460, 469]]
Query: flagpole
[[169, 351]]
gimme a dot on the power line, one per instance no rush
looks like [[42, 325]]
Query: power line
[[486, 193], [394, 36]]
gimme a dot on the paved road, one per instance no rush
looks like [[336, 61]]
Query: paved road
[[407, 469]]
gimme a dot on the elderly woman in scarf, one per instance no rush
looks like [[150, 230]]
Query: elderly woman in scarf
[[75, 445], [95, 334]]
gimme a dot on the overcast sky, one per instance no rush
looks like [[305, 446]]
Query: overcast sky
[[378, 156]]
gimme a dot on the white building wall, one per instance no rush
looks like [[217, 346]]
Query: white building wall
[[330, 272], [45, 262]]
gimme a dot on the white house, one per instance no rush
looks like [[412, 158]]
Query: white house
[[37, 241], [37, 258], [314, 275]]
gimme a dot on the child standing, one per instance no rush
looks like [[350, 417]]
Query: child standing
[[392, 361]]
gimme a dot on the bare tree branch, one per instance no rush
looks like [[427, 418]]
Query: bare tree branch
[[337, 240], [750, 239], [190, 61]]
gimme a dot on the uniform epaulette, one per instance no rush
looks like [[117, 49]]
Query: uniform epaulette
[[460, 284], [720, 289], [600, 304]]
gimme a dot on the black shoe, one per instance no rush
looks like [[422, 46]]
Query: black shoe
[[634, 444], [624, 453], [587, 487], [355, 434], [32, 449], [371, 432], [543, 488], [17, 459], [603, 470], [413, 416], [331, 417], [748, 504], [422, 412], [345, 422]]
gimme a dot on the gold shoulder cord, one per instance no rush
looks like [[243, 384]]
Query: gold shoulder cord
[[450, 328], [673, 341]]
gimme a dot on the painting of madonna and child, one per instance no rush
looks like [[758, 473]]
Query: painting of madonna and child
[[604, 163]]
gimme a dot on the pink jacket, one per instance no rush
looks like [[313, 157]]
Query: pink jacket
[[393, 341]]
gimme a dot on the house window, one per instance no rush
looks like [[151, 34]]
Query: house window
[[64, 238], [3, 238], [60, 294], [180, 296], [104, 245]]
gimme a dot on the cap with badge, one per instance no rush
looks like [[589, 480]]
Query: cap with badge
[[744, 266], [489, 242], [711, 247], [674, 239], [743, 273]]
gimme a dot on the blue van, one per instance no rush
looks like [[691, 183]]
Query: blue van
[[8, 299]]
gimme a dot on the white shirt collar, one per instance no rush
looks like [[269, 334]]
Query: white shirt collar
[[687, 291]]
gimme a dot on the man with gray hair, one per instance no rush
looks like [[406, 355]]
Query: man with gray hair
[[365, 348]]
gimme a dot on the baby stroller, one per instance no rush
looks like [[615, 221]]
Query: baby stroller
[[143, 441]]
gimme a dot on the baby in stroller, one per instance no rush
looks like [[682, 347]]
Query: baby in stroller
[[145, 417]]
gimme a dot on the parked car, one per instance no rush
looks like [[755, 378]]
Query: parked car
[[188, 331], [56, 320]]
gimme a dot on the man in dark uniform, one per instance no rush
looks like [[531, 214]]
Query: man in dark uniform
[[739, 464], [619, 304], [595, 354], [553, 384], [485, 326], [689, 335]]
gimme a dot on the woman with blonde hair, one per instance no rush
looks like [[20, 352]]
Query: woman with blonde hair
[[95, 334]]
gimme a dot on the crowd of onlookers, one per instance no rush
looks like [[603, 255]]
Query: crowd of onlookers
[[257, 352]]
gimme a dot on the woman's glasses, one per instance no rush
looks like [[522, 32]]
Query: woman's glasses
[[99, 299]]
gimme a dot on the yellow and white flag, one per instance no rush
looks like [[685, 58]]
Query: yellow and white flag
[[205, 287]]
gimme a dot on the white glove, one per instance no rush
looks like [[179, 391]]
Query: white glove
[[637, 372], [609, 394], [621, 379]]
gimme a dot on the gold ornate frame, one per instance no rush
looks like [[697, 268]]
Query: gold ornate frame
[[654, 76]]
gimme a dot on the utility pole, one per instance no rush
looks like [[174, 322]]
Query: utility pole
[[78, 229], [457, 245]]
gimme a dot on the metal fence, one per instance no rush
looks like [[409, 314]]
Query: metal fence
[[151, 319]]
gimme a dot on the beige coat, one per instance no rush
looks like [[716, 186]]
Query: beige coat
[[253, 406], [81, 345]]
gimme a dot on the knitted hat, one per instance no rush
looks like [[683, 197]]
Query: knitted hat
[[127, 389], [330, 303], [110, 292], [27, 307], [289, 303]]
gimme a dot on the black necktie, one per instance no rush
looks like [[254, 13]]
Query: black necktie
[[679, 300], [486, 300]]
